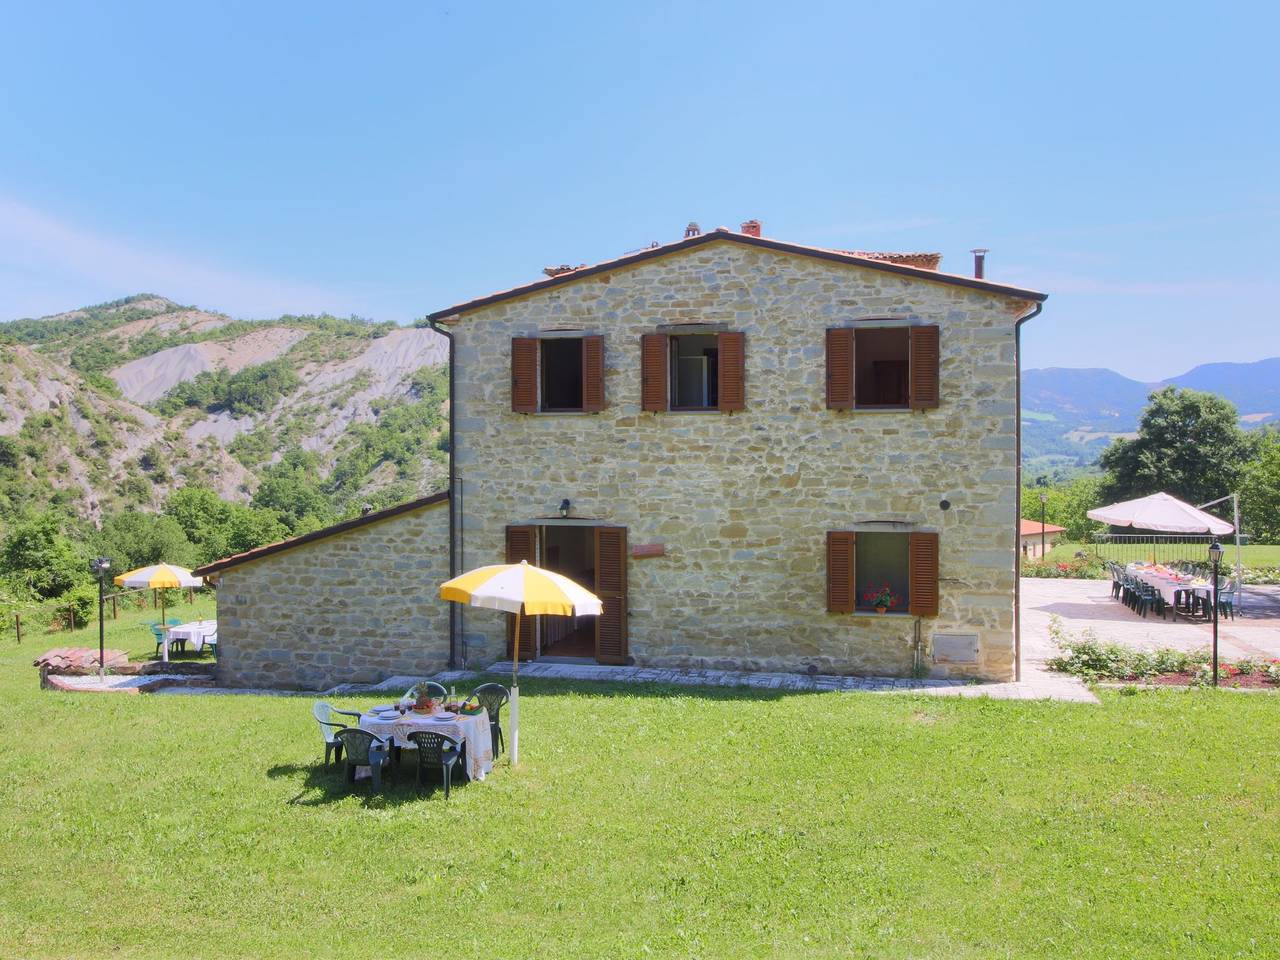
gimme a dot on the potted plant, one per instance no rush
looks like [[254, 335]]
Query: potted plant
[[882, 598]]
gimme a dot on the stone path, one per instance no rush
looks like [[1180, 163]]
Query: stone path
[[1039, 685]]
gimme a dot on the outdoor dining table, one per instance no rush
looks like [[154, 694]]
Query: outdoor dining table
[[194, 633], [1167, 584], [472, 731]]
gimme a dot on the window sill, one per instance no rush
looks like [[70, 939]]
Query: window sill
[[900, 614], [885, 408], [565, 413], [692, 410]]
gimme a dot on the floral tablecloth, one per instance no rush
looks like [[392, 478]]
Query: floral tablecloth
[[471, 730]]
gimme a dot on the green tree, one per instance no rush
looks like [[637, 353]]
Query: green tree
[[1260, 491], [134, 539], [1189, 444], [38, 558], [291, 489], [1066, 505], [218, 528]]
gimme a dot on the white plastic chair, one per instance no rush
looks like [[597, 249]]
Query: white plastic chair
[[324, 713]]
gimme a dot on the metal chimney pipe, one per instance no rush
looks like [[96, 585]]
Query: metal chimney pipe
[[979, 262]]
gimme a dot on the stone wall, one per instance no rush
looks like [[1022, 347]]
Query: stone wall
[[358, 606], [742, 501]]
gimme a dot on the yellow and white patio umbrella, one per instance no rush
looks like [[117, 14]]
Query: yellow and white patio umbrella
[[158, 576], [524, 590]]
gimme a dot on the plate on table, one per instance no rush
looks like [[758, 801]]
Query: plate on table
[[444, 717]]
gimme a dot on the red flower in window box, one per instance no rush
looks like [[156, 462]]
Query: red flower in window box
[[882, 598]]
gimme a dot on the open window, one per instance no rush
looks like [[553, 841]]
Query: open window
[[561, 364], [557, 374], [694, 372], [870, 569], [882, 368]]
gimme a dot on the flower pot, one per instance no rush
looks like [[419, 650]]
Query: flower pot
[[881, 609]]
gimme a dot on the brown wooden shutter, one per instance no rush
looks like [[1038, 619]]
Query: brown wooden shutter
[[611, 588], [524, 374], [840, 369], [924, 368], [922, 575], [593, 374], [732, 350], [522, 545], [653, 371], [841, 562]]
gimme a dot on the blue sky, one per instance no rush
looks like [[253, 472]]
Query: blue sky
[[389, 159]]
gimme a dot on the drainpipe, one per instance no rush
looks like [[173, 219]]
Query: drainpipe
[[1017, 518], [453, 515]]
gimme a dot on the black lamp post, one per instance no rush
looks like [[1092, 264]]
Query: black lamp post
[[99, 566], [1215, 557], [564, 507], [1044, 503]]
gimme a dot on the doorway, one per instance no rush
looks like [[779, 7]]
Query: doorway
[[569, 551], [594, 556]]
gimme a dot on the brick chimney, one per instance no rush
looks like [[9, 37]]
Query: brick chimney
[[751, 228], [692, 230], [979, 262]]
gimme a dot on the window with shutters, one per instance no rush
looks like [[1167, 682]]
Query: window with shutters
[[870, 568], [694, 373], [554, 373], [882, 367], [562, 374]]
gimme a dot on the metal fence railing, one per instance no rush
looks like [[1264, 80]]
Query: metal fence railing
[[1160, 548]]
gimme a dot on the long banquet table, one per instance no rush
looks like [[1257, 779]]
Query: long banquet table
[[1167, 584]]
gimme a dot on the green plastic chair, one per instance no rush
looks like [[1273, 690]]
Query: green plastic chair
[[493, 697], [436, 751], [324, 713], [363, 749]]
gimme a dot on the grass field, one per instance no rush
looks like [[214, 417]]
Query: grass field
[[1252, 555], [647, 822]]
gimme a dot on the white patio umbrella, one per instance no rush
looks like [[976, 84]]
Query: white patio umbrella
[[522, 589], [1162, 512]]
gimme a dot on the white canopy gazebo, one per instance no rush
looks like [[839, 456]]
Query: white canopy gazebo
[[1161, 512], [1164, 513]]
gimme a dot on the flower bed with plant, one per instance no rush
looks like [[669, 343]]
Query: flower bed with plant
[[1091, 659], [1088, 567]]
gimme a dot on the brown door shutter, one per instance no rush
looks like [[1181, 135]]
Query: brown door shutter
[[593, 374], [611, 588], [732, 349], [924, 367], [524, 374], [653, 371], [922, 561], [841, 560], [840, 369], [522, 545]]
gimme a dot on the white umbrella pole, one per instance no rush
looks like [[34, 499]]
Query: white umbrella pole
[[513, 752]]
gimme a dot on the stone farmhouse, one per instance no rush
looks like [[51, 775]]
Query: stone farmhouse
[[737, 442]]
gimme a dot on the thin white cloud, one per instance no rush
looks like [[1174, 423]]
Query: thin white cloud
[[48, 265]]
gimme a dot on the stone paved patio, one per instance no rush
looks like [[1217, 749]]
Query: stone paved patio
[[1082, 604]]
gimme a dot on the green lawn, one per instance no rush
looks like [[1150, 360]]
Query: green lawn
[[128, 632], [1252, 555], [647, 822]]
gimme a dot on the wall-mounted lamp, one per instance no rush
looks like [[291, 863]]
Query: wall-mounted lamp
[[564, 507]]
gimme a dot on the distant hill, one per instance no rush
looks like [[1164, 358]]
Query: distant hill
[[1069, 415], [110, 407]]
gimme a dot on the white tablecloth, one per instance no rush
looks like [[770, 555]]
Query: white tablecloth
[[195, 633], [1167, 585], [473, 730]]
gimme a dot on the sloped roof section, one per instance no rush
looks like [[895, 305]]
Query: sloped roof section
[[871, 262], [1028, 527], [257, 553]]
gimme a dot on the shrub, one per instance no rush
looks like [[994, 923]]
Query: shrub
[[1087, 567]]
